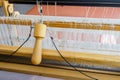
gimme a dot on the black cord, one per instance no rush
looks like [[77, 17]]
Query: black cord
[[23, 42], [41, 7], [65, 59], [69, 62]]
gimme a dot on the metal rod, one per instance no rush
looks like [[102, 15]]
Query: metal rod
[[106, 3]]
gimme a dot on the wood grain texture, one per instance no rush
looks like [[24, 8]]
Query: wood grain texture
[[55, 72], [75, 57]]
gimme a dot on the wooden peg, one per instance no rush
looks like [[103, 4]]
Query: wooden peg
[[39, 34]]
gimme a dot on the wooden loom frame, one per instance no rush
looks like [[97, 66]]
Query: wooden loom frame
[[77, 57]]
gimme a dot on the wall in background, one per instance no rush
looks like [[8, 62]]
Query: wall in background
[[18, 7], [77, 11]]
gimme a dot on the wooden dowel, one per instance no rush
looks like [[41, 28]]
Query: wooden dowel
[[39, 34]]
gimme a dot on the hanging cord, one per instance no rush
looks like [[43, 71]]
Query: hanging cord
[[23, 42], [47, 9], [64, 57], [69, 62], [52, 40], [106, 11], [113, 10], [55, 8], [39, 6], [41, 11]]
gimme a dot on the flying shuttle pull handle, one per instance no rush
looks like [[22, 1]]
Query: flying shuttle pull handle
[[39, 34]]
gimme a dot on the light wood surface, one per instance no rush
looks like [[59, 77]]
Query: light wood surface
[[75, 57], [39, 34], [56, 72]]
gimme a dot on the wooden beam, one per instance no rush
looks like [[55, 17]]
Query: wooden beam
[[1, 2], [75, 57], [57, 24], [16, 21], [5, 7], [74, 25], [67, 74]]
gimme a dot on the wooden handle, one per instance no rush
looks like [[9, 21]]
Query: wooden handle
[[37, 52], [39, 34]]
